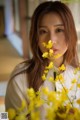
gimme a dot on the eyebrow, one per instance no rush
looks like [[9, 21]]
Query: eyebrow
[[53, 25], [59, 25]]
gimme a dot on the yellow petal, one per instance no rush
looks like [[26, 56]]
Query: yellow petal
[[11, 113], [49, 45], [57, 56], [74, 81], [45, 55], [62, 67], [43, 77], [51, 52], [50, 66], [78, 101], [78, 85]]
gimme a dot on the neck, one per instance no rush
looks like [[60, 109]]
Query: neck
[[58, 62]]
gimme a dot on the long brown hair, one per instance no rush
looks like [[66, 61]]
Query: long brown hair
[[37, 63]]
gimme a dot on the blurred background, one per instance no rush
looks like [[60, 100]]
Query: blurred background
[[15, 18]]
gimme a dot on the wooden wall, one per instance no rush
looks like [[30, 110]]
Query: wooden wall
[[2, 24]]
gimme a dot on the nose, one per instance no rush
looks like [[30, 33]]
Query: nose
[[53, 38]]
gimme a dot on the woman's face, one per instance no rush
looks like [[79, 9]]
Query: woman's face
[[51, 27]]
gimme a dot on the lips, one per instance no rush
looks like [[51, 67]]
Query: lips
[[54, 49]]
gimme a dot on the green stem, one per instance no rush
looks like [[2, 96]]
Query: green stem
[[66, 94]]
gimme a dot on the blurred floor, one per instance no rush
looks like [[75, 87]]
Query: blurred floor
[[9, 58]]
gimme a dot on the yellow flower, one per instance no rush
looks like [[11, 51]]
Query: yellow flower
[[51, 53], [78, 101], [45, 90], [51, 96], [51, 79], [45, 55], [66, 90], [50, 114], [38, 101], [63, 95], [43, 77], [62, 67], [78, 85], [60, 78], [35, 115], [11, 113], [31, 93], [61, 115], [57, 56], [76, 70], [31, 106], [49, 45], [73, 114], [50, 66], [74, 81], [20, 117], [23, 106], [46, 71]]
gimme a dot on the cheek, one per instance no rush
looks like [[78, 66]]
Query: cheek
[[64, 47], [40, 43], [65, 44], [42, 48]]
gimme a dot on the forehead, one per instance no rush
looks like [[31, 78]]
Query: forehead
[[51, 18]]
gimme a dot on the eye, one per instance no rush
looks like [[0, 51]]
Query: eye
[[42, 31], [59, 30]]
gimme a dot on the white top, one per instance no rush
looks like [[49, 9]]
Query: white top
[[16, 90]]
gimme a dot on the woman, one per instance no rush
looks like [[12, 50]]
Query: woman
[[50, 21]]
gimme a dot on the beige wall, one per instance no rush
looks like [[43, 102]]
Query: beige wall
[[16, 16], [75, 9], [32, 4]]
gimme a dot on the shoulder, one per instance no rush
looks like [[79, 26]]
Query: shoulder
[[72, 71], [17, 86], [71, 68], [21, 67]]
